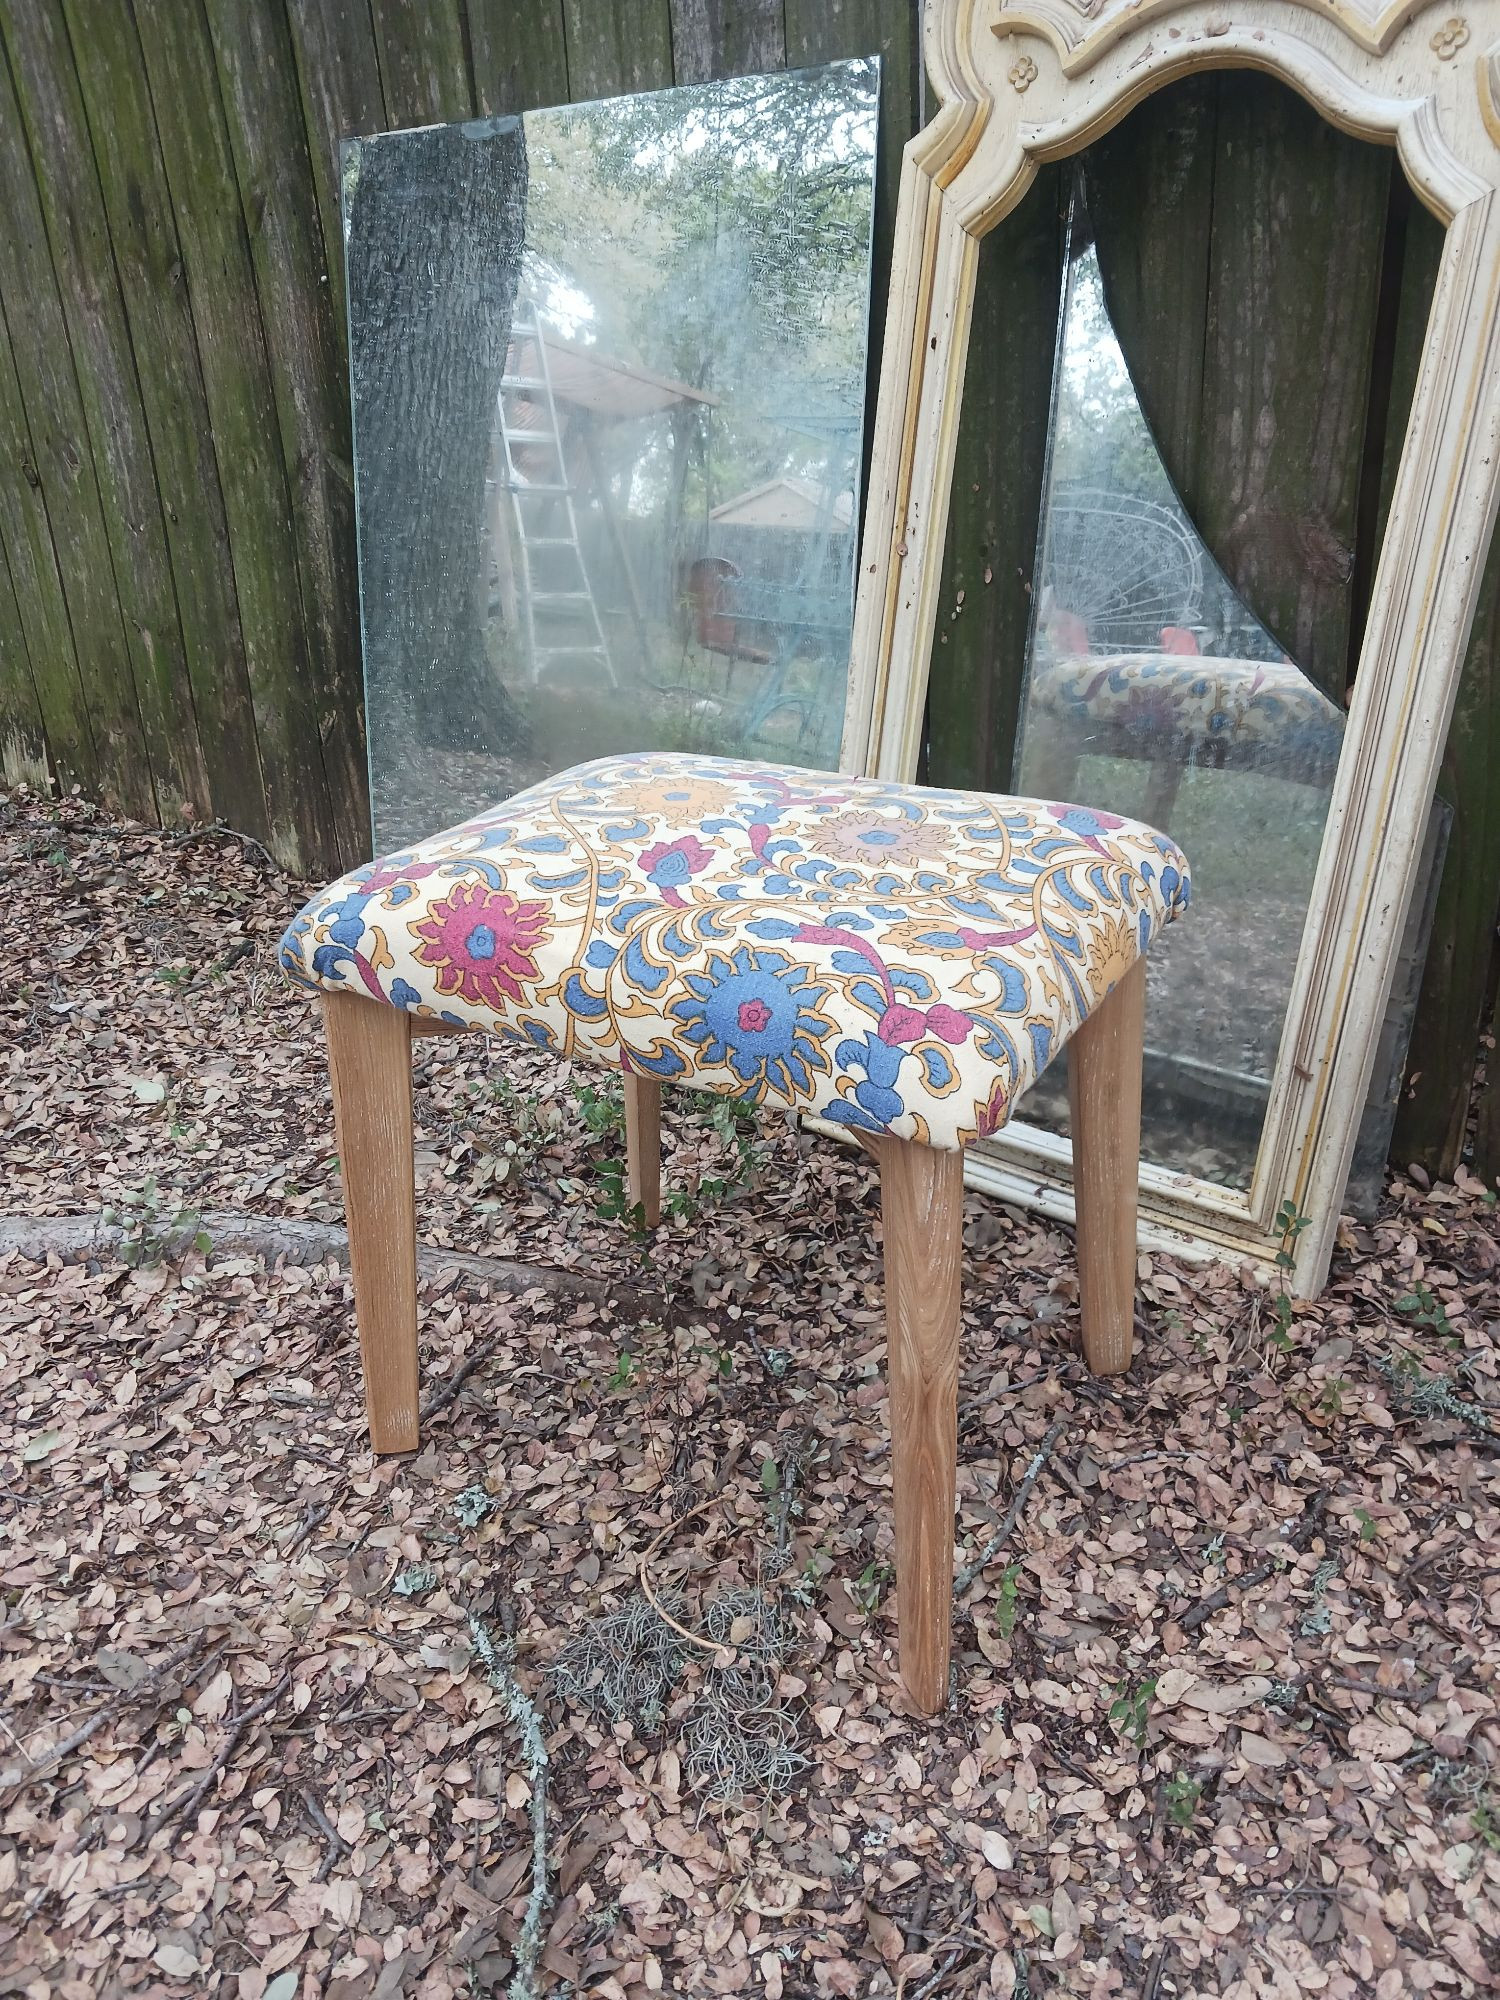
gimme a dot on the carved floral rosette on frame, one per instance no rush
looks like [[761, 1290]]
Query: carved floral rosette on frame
[[1025, 83]]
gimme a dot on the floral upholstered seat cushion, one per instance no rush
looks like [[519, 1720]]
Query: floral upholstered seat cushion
[[890, 957]]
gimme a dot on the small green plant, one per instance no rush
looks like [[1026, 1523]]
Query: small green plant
[[1422, 1308], [174, 975], [624, 1372], [770, 1476], [602, 1111], [1331, 1403], [1183, 1795], [1130, 1710], [1486, 1824], [1009, 1602], [148, 1226], [1369, 1527], [1290, 1223], [870, 1586], [612, 1201]]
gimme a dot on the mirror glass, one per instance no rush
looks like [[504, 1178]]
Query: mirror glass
[[608, 368], [1151, 690]]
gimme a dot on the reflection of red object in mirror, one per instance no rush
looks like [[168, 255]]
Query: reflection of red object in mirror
[[1068, 632], [1176, 639], [706, 585]]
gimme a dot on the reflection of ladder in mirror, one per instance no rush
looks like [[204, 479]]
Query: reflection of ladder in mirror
[[562, 618]]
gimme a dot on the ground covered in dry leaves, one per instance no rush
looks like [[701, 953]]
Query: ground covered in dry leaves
[[1224, 1716]]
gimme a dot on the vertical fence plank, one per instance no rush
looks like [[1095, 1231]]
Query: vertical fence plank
[[220, 278], [339, 74], [1433, 1114], [62, 461], [984, 615], [424, 63], [714, 38], [258, 84], [23, 728], [82, 259], [616, 47], [121, 131], [41, 601], [520, 55]]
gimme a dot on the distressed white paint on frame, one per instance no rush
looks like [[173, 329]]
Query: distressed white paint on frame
[[1037, 80]]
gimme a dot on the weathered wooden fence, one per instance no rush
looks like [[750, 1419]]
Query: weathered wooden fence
[[179, 627], [178, 613]]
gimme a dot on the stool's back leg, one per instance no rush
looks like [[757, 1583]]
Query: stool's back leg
[[1104, 1099], [369, 1060], [643, 1145], [922, 1205]]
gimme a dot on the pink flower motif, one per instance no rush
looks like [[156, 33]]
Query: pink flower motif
[[482, 943], [671, 862], [900, 1023], [754, 1016], [393, 874], [948, 1024]]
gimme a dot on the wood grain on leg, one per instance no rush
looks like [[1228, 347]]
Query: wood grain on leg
[[369, 1060], [922, 1204], [643, 1145], [1104, 1098]]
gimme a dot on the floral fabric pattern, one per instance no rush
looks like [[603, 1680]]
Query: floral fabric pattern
[[889, 957], [1202, 710]]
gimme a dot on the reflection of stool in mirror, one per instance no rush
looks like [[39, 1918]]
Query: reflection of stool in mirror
[[1176, 712], [898, 961]]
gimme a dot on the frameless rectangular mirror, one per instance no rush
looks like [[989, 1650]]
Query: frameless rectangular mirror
[[608, 368]]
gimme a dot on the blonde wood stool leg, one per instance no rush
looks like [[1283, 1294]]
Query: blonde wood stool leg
[[922, 1205], [643, 1145], [1104, 1098], [369, 1060]]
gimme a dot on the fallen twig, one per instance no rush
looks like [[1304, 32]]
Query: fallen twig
[[522, 1712], [59, 1752], [187, 1802], [447, 1392], [298, 1241], [1306, 1528], [1007, 1527]]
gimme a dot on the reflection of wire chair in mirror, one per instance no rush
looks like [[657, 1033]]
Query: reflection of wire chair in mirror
[[1124, 565], [1177, 712]]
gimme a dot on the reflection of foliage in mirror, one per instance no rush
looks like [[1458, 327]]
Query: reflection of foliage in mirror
[[719, 235]]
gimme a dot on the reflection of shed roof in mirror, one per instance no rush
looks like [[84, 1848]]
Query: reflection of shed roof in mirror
[[788, 503], [616, 391]]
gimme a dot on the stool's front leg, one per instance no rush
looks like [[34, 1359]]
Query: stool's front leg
[[643, 1145], [369, 1061], [922, 1205], [1104, 1101]]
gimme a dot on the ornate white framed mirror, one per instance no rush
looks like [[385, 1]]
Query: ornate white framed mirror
[[1021, 87]]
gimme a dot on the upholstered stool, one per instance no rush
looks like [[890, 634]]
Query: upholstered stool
[[899, 961]]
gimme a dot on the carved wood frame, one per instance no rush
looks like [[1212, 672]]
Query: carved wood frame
[[1022, 82]]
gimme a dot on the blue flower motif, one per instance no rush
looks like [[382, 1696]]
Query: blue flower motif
[[758, 1013]]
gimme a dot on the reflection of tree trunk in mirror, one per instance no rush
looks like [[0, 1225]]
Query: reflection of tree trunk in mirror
[[437, 228], [1240, 241]]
